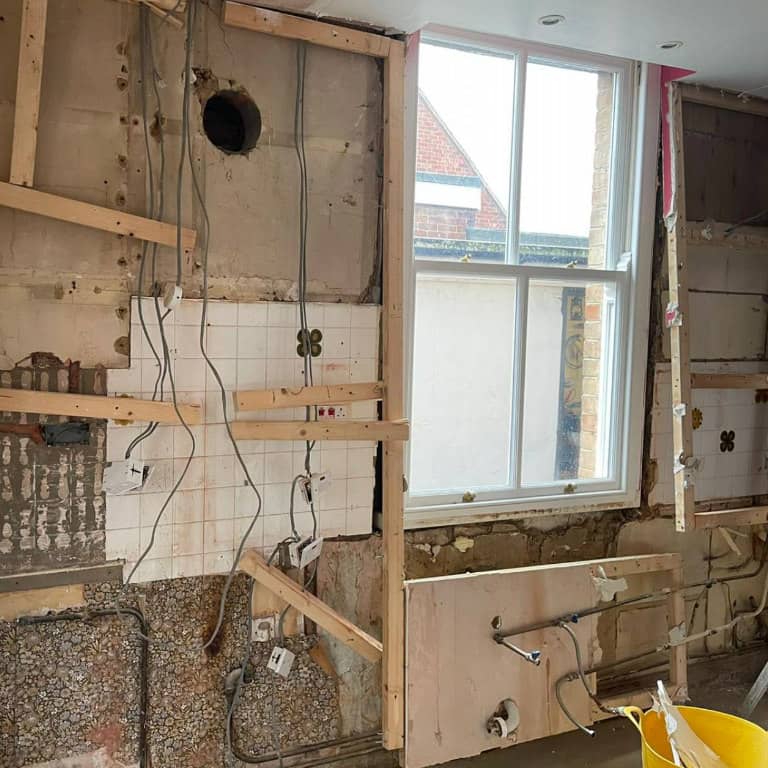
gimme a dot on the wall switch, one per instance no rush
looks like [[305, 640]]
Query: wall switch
[[314, 485], [310, 552], [280, 661], [330, 412]]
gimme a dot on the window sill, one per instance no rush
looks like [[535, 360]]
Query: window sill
[[526, 509]]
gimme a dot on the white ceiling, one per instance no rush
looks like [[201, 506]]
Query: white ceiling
[[725, 42]]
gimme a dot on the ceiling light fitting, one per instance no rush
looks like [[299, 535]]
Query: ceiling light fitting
[[670, 45], [551, 19]]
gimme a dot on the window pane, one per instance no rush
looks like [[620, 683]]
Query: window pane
[[566, 411], [568, 122], [462, 384], [464, 138]]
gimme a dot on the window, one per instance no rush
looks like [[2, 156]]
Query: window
[[524, 280]]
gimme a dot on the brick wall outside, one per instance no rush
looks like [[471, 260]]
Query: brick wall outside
[[595, 294], [438, 152]]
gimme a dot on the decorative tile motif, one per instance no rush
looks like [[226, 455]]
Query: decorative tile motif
[[253, 346]]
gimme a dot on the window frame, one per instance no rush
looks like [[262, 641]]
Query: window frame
[[628, 248]]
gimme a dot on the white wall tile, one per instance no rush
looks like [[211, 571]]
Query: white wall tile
[[251, 342], [122, 544], [222, 313], [187, 565], [252, 313], [187, 539], [218, 535], [162, 546], [208, 516], [122, 512], [188, 507], [219, 504]]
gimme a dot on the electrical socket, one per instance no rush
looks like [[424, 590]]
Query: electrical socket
[[280, 661], [331, 412], [263, 628]]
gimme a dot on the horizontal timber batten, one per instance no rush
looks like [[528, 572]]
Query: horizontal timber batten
[[309, 30], [729, 380], [286, 397], [321, 430], [94, 216], [718, 518], [94, 406]]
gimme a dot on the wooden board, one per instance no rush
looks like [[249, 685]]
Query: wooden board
[[309, 30], [28, 82], [457, 675], [311, 606], [679, 333], [729, 380], [34, 602], [320, 430], [89, 215], [287, 397], [393, 462], [94, 406]]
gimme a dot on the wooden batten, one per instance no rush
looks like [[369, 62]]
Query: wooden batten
[[310, 30], [94, 406], [320, 430], [287, 397], [311, 606], [28, 83], [95, 216], [729, 380], [717, 518]]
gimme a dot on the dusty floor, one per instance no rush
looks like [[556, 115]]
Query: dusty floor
[[720, 684]]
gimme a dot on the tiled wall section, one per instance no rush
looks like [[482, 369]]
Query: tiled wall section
[[253, 346], [721, 475]]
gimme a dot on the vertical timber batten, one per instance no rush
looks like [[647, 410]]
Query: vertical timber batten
[[677, 257], [393, 670]]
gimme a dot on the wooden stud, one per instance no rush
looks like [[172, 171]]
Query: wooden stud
[[285, 397], [682, 427], [715, 97], [717, 518], [94, 406], [320, 430], [311, 31], [729, 380], [311, 606], [34, 602], [28, 82], [721, 235], [678, 654], [393, 670], [89, 215]]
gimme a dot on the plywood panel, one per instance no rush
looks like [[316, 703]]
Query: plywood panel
[[726, 326], [457, 674]]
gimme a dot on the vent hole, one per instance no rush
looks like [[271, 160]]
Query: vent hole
[[232, 121]]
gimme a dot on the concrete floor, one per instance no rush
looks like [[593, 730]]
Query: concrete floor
[[720, 684]]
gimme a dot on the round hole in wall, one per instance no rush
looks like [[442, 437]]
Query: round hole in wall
[[232, 121]]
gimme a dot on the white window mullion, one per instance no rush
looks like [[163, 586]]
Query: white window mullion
[[516, 161], [518, 380]]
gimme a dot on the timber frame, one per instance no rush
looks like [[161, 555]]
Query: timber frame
[[681, 232], [19, 193], [393, 429]]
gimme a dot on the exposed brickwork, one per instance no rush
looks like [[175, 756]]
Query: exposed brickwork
[[594, 298], [437, 151]]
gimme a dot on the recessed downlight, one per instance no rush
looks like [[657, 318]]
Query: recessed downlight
[[551, 19], [670, 45]]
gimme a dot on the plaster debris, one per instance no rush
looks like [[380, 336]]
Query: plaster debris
[[463, 543]]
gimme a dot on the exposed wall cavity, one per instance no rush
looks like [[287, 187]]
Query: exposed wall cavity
[[52, 509]]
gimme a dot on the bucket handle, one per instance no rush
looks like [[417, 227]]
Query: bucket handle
[[634, 715]]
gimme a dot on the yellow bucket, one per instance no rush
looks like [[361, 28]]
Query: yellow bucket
[[738, 742]]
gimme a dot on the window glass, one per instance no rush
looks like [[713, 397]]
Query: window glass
[[464, 138], [462, 383], [567, 367], [567, 134]]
